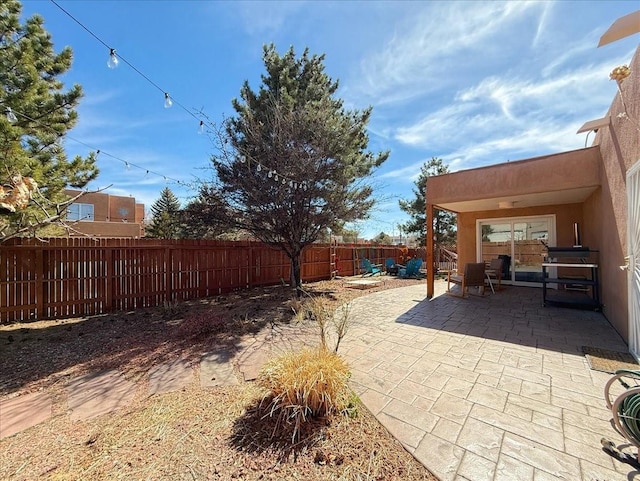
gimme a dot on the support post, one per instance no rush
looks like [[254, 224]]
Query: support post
[[430, 260]]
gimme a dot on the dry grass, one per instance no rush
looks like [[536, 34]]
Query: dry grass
[[194, 433], [305, 384]]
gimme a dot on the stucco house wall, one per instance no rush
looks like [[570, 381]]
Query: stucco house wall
[[548, 173], [597, 177], [114, 215], [619, 147]]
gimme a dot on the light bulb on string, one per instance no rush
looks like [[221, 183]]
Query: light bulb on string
[[113, 59], [11, 117], [201, 128], [276, 178], [243, 159], [167, 101], [270, 174], [259, 168], [284, 181]]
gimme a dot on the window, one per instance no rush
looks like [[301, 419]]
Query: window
[[520, 241], [77, 211]]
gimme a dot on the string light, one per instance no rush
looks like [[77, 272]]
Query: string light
[[11, 117], [113, 62], [113, 59], [128, 165], [167, 101], [271, 174]]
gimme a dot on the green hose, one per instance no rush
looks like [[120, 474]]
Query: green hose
[[629, 409]]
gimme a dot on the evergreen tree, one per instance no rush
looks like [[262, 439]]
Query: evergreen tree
[[36, 113], [199, 218], [382, 238], [293, 160], [166, 216], [444, 223]]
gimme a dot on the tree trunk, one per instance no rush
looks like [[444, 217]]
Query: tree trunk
[[296, 282]]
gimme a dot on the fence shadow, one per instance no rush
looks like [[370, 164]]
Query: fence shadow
[[44, 353]]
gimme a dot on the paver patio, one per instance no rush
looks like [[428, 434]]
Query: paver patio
[[486, 388], [492, 388]]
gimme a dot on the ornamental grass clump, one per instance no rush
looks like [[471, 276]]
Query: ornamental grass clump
[[305, 384]]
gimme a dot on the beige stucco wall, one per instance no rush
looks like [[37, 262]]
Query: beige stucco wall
[[114, 215], [602, 215], [620, 150], [550, 173], [566, 215], [109, 229]]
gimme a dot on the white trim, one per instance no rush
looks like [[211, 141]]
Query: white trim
[[633, 291]]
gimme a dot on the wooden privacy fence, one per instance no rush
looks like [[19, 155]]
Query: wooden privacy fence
[[70, 277]]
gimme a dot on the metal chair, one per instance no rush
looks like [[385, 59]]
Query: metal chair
[[494, 271]]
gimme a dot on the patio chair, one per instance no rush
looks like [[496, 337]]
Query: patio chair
[[412, 269], [370, 269], [474, 276], [506, 266], [494, 271], [390, 267]]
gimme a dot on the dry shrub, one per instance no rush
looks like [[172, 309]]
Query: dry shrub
[[312, 382], [200, 325], [322, 311]]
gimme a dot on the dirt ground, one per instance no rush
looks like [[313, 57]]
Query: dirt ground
[[194, 433]]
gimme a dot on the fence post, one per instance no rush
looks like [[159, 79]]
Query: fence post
[[110, 302], [39, 314], [252, 267], [168, 263]]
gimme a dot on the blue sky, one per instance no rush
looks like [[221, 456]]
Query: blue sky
[[474, 83]]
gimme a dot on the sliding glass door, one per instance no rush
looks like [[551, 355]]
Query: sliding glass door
[[520, 242]]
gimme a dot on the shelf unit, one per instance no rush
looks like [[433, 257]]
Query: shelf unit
[[576, 281]]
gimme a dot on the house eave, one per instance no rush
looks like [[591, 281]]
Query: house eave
[[565, 178]]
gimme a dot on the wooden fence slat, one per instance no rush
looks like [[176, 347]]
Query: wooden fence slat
[[62, 277]]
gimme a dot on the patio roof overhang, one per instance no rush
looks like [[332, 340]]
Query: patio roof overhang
[[565, 178], [568, 196]]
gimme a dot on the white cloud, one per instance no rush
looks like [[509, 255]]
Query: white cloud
[[421, 55], [506, 113], [265, 18]]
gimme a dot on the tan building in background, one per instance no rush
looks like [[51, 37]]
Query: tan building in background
[[104, 215]]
